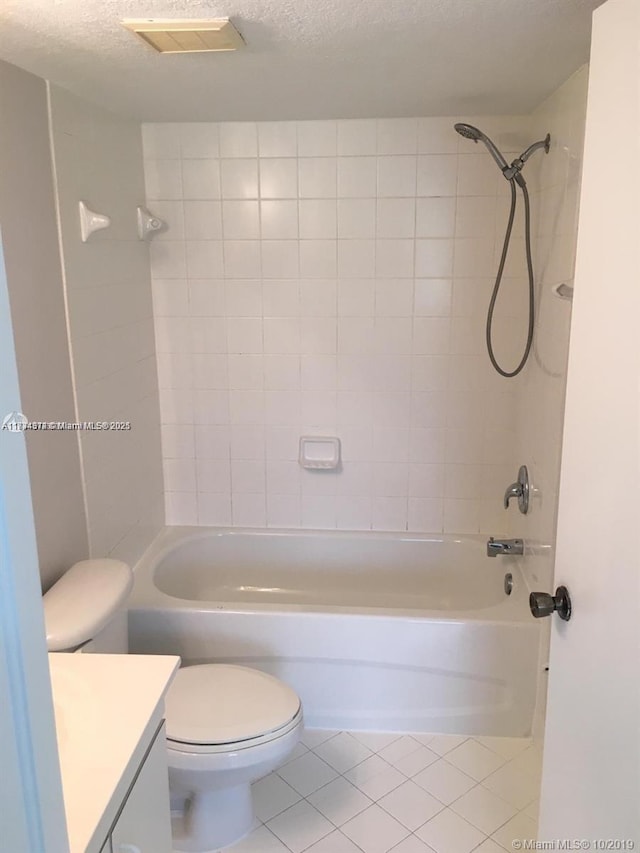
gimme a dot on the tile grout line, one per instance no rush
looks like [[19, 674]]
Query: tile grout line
[[342, 775]]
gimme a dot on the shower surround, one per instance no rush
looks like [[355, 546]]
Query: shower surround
[[332, 278]]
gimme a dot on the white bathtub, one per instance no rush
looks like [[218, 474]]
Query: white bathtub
[[375, 631]]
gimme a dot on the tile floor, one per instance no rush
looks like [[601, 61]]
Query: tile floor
[[343, 792]]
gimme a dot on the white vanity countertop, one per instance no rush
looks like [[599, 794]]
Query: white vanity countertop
[[107, 709]]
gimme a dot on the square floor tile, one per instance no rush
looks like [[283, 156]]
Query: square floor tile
[[411, 805], [339, 801], [375, 740], [474, 759], [412, 844], [343, 752], [445, 743], [416, 761], [513, 785], [307, 774], [449, 833], [374, 830], [271, 796], [444, 781], [520, 827], [425, 739], [314, 737], [300, 826], [489, 846], [399, 749], [507, 747], [533, 810], [299, 749], [334, 843], [261, 840], [375, 777], [483, 809], [529, 761]]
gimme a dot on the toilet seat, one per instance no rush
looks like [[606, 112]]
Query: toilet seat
[[222, 707], [238, 746]]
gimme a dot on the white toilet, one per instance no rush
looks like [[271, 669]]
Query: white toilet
[[227, 726]]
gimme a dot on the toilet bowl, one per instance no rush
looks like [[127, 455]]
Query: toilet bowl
[[227, 726]]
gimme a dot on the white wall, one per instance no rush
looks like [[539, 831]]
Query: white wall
[[332, 278], [591, 772], [555, 196], [555, 184], [34, 277], [98, 159]]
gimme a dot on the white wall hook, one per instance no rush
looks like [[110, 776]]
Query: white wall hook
[[148, 224], [563, 290], [91, 221]]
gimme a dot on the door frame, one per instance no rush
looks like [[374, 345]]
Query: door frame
[[32, 817]]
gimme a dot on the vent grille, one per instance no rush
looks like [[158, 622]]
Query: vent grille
[[197, 36]]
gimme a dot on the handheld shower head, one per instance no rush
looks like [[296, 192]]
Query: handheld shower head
[[468, 131], [471, 132], [512, 174]]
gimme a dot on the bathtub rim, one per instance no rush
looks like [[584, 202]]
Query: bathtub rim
[[146, 595]]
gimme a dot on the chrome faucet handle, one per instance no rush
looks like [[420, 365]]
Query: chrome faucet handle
[[513, 491], [520, 490]]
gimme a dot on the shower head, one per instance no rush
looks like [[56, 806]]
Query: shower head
[[471, 132], [468, 131]]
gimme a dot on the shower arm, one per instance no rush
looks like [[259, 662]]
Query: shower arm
[[513, 171]]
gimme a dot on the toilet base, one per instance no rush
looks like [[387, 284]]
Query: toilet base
[[214, 819]]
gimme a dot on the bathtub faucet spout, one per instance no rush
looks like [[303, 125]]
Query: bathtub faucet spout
[[508, 547]]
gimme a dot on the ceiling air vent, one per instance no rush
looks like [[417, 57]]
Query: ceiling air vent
[[180, 36]]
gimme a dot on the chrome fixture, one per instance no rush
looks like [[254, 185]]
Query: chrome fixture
[[516, 166], [509, 171], [471, 132], [505, 547], [513, 174], [508, 583], [542, 604], [520, 490]]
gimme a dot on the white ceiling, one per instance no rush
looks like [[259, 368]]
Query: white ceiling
[[308, 58]]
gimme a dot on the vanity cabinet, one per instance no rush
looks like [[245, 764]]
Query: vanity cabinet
[[112, 750], [144, 822]]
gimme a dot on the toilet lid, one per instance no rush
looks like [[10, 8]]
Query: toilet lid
[[220, 703]]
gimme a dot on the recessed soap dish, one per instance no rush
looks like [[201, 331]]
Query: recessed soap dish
[[319, 451]]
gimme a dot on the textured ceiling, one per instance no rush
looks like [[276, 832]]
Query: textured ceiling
[[308, 58]]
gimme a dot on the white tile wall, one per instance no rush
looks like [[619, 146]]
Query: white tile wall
[[330, 278], [98, 158]]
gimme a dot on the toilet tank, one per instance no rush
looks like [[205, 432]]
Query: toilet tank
[[86, 610]]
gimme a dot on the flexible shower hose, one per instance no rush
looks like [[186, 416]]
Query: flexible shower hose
[[496, 287]]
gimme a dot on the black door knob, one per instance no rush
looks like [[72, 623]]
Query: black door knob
[[542, 604]]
